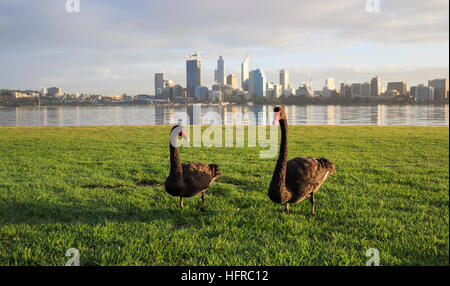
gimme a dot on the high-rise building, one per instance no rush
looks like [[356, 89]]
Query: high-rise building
[[201, 93], [193, 73], [55, 91], [375, 86], [329, 87], [365, 89], [221, 71], [346, 90], [257, 84], [159, 83], [245, 69], [424, 93], [440, 87], [398, 86], [277, 90], [284, 79], [232, 80], [356, 90]]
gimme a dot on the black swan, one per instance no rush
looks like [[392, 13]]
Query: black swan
[[190, 178], [296, 179]]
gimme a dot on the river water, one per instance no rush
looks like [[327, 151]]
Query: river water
[[381, 115]]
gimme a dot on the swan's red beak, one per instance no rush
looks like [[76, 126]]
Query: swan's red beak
[[183, 134], [276, 117]]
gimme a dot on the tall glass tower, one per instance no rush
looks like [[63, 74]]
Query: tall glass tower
[[245, 68], [193, 73], [257, 83]]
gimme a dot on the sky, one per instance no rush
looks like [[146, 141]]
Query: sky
[[114, 47]]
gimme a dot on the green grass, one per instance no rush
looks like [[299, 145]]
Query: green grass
[[99, 189]]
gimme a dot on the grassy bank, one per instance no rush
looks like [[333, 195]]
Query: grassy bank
[[98, 189]]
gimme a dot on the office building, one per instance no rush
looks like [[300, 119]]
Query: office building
[[329, 87], [400, 87], [245, 69], [201, 93], [356, 90], [193, 73], [346, 90], [159, 83], [221, 71], [55, 91], [375, 86], [257, 83], [440, 87], [284, 79], [232, 80], [365, 89], [424, 93]]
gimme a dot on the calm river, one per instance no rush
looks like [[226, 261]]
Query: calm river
[[414, 115]]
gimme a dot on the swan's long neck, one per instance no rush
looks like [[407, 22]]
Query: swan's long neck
[[175, 162], [277, 189]]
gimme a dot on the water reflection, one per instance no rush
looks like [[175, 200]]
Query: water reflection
[[426, 115]]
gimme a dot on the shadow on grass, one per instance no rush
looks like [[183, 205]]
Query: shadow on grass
[[41, 212]]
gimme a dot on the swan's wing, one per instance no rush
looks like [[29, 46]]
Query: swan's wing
[[312, 171], [197, 175]]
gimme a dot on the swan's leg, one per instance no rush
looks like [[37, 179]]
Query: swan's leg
[[287, 208], [203, 202], [311, 198], [181, 202]]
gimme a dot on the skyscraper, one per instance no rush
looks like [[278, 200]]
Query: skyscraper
[[193, 73], [424, 93], [284, 79], [329, 87], [159, 83], [375, 86], [233, 81], [398, 86], [245, 68], [221, 71], [365, 89], [440, 87], [356, 90], [257, 84]]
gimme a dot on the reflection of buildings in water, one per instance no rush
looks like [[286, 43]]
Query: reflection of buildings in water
[[159, 113], [309, 115], [373, 114], [258, 112], [331, 115], [17, 116], [60, 116], [170, 112], [299, 115], [45, 116], [77, 116], [290, 113], [381, 112], [407, 115], [149, 115], [446, 114], [117, 115]]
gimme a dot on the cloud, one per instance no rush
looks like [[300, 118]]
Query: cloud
[[117, 46]]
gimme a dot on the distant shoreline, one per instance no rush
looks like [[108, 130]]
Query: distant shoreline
[[233, 104]]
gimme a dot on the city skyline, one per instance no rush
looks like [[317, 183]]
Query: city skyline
[[104, 50]]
